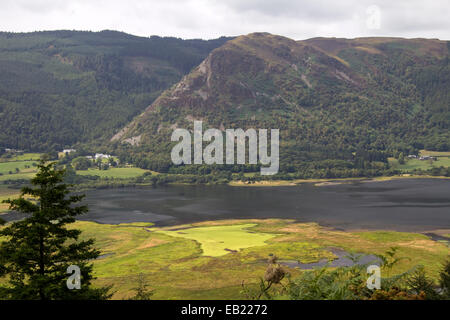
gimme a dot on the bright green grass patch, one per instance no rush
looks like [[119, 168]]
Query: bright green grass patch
[[6, 167], [27, 156], [22, 157], [120, 173], [412, 164], [219, 240]]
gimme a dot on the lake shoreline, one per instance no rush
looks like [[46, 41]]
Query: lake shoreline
[[404, 205], [330, 181]]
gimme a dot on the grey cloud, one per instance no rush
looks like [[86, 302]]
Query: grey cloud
[[310, 10], [213, 18], [416, 16], [36, 6]]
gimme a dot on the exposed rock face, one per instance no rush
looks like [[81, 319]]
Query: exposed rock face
[[226, 78], [134, 141]]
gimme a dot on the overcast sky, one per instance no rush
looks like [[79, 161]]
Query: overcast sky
[[213, 18]]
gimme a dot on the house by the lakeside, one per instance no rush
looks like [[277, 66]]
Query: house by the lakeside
[[102, 156]]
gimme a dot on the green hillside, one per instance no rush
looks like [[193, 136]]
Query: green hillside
[[342, 106], [59, 88]]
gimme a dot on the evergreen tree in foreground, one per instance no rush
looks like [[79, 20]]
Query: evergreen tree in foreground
[[36, 252]]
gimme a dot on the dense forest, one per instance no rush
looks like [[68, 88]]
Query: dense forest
[[60, 88]]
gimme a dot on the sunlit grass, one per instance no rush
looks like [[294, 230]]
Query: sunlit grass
[[5, 194], [23, 157], [120, 173], [191, 262], [412, 164], [177, 266], [6, 167], [219, 240]]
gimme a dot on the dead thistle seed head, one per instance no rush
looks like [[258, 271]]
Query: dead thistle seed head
[[274, 274]]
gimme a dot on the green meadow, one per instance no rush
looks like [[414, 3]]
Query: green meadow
[[18, 167], [413, 164], [118, 173], [442, 160], [23, 157], [209, 260], [23, 166], [219, 240]]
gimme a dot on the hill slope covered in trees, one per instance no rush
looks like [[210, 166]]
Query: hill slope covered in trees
[[342, 106], [58, 88]]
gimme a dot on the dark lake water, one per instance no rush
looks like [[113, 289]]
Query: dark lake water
[[403, 205]]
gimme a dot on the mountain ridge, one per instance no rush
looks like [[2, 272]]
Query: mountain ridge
[[341, 104], [352, 94]]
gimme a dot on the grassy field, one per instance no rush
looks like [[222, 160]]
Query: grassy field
[[6, 167], [19, 168], [24, 163], [6, 193], [8, 170], [120, 173], [411, 164], [190, 261], [443, 160], [177, 266], [17, 176], [219, 240], [23, 157], [26, 169]]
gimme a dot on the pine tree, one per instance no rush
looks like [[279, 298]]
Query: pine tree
[[37, 250]]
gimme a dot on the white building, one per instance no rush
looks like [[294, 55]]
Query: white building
[[102, 156], [66, 151]]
